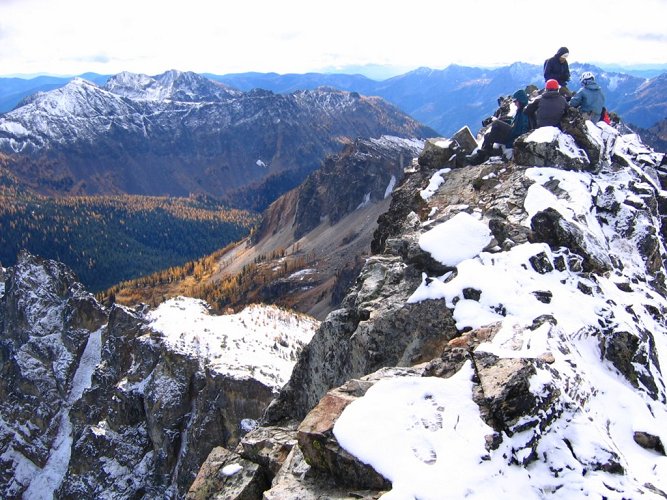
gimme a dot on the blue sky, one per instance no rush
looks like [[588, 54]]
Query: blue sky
[[219, 36]]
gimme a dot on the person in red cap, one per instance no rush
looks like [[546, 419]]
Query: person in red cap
[[548, 109]]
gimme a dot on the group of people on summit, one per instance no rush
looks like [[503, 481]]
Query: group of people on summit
[[547, 108]]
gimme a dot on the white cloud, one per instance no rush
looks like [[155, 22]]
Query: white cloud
[[150, 36]]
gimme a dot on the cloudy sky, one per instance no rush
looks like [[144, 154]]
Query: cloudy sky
[[68, 37]]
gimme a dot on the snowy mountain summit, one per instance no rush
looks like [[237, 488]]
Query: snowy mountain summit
[[171, 85], [507, 339]]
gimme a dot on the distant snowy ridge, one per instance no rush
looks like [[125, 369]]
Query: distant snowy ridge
[[260, 342]]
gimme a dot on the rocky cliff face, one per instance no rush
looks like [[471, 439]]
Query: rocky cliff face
[[507, 338], [179, 133], [121, 403], [311, 242]]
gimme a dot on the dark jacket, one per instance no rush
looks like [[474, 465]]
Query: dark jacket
[[554, 68], [520, 123], [548, 109], [589, 99]]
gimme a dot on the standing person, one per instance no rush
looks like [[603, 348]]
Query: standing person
[[558, 69], [548, 109], [502, 132], [589, 99]]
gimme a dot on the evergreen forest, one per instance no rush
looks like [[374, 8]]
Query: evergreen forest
[[109, 239]]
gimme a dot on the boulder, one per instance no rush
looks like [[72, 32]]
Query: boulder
[[268, 446], [465, 140], [549, 147], [649, 441], [574, 124], [437, 153], [227, 476], [321, 450], [550, 227], [297, 479], [634, 357]]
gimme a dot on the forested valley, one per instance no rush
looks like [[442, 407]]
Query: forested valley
[[109, 239]]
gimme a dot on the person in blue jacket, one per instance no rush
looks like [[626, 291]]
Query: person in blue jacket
[[502, 132], [589, 99]]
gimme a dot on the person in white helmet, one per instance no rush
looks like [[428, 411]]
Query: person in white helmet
[[589, 99]]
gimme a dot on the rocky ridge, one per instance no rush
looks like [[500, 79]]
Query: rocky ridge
[[541, 303]]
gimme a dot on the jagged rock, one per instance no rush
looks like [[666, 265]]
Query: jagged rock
[[124, 412], [299, 480], [405, 200], [649, 441], [505, 397], [552, 228], [366, 335], [226, 475], [549, 147], [42, 339], [321, 451], [465, 140], [635, 357], [574, 124], [268, 446], [437, 153]]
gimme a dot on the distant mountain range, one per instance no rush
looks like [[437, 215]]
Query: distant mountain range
[[456, 96], [181, 133], [444, 100]]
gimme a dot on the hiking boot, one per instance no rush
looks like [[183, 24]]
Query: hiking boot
[[478, 157]]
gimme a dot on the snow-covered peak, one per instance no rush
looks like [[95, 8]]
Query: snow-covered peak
[[262, 342], [79, 98], [172, 85]]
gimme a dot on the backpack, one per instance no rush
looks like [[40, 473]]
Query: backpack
[[604, 116]]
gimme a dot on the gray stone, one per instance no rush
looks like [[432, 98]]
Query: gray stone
[[465, 140], [649, 441], [550, 227], [227, 476], [437, 153], [548, 154]]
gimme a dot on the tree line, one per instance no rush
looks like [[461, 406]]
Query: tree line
[[109, 239]]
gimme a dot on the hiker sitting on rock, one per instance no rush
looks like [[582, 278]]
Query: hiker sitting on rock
[[547, 109], [502, 132], [589, 99]]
